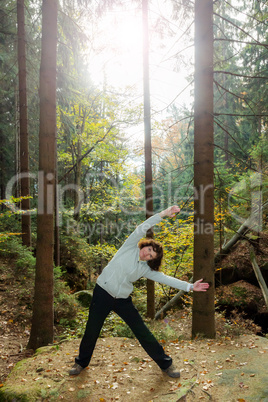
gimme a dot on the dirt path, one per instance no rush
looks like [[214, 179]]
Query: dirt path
[[223, 370]]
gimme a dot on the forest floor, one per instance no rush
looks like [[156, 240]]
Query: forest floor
[[233, 367]]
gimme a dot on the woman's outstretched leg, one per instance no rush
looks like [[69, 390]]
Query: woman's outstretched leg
[[100, 307], [128, 312]]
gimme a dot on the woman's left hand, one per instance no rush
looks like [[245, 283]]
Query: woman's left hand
[[200, 286], [170, 212]]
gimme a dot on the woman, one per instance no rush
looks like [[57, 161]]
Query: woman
[[135, 259]]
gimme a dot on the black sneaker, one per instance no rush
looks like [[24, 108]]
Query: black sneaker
[[76, 369], [171, 371]]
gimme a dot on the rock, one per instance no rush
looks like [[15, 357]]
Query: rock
[[84, 297]]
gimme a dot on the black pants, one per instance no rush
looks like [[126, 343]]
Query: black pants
[[101, 305]]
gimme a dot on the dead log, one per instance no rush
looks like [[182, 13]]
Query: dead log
[[259, 276], [248, 225], [241, 232]]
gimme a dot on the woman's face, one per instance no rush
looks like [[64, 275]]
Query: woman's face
[[147, 253]]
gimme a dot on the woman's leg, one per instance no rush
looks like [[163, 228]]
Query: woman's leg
[[128, 312], [100, 307]]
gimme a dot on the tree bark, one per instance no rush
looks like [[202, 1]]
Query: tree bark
[[43, 317], [24, 138], [147, 147], [203, 321]]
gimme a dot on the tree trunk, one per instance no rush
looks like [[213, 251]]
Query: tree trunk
[[43, 318], [203, 302], [147, 146], [24, 140]]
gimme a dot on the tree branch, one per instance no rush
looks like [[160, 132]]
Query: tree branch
[[87, 153], [236, 26], [230, 135], [240, 115], [247, 15], [239, 75], [233, 94], [241, 41]]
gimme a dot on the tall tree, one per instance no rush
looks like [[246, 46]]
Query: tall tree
[[8, 87], [24, 137], [147, 144], [203, 303], [43, 317]]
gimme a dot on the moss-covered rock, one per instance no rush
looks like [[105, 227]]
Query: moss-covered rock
[[84, 297]]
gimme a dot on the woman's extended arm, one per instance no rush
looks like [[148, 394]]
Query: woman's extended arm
[[160, 277]]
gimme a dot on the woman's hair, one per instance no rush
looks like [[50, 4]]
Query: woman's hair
[[158, 249]]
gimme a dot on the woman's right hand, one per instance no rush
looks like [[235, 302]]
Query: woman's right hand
[[170, 212]]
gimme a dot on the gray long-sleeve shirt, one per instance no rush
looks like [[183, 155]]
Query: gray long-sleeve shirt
[[125, 267]]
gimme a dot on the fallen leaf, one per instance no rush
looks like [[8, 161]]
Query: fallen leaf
[[174, 388]]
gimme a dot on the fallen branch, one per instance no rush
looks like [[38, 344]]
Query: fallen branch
[[244, 228], [172, 302], [259, 276]]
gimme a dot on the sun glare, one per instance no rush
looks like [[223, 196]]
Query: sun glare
[[117, 58], [120, 57], [128, 34]]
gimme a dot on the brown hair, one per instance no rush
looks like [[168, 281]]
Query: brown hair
[[157, 247]]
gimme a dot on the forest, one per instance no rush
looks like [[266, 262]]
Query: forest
[[111, 112]]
